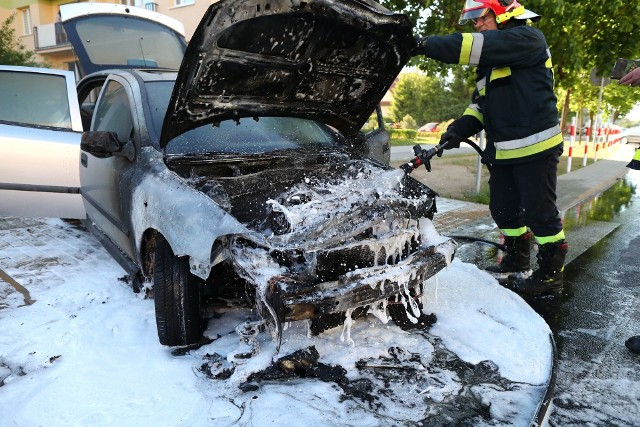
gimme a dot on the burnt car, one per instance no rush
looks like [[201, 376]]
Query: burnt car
[[244, 176]]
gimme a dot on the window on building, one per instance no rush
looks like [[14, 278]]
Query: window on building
[[151, 6], [184, 2], [25, 14], [128, 2]]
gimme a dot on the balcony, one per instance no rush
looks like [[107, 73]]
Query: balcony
[[48, 36]]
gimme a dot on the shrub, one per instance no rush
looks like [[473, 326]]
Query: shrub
[[408, 122], [402, 133]]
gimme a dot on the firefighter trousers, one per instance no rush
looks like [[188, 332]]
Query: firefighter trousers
[[524, 195]]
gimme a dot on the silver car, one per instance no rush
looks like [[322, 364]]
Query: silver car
[[243, 177]]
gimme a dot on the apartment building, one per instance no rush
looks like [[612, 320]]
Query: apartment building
[[37, 28]]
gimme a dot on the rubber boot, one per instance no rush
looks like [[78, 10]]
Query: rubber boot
[[548, 277], [633, 344], [517, 259]]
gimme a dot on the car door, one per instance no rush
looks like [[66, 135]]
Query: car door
[[377, 139], [40, 131], [100, 177]]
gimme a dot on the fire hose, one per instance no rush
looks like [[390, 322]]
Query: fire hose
[[423, 157]]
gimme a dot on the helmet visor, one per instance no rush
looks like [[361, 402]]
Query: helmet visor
[[470, 15]]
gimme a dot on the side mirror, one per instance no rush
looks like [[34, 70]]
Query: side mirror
[[104, 144]]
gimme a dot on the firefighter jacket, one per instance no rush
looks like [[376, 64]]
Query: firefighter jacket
[[635, 162], [513, 99]]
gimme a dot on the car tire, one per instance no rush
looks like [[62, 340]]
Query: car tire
[[176, 294]]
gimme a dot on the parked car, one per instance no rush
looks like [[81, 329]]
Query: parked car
[[632, 135], [429, 127], [243, 175]]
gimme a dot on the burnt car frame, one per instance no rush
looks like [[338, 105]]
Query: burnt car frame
[[204, 182]]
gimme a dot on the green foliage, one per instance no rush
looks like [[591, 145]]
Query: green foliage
[[402, 133], [13, 52], [428, 99], [408, 122], [371, 124]]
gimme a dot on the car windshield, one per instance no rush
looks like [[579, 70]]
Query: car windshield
[[248, 135]]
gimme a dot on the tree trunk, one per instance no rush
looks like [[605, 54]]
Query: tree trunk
[[565, 109]]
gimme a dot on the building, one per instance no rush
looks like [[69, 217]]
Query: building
[[37, 28]]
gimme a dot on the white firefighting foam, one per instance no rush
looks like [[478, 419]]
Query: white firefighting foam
[[55, 372]]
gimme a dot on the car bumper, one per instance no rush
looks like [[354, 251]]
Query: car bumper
[[358, 288]]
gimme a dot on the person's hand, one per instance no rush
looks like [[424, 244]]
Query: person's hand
[[632, 78], [419, 46], [454, 140]]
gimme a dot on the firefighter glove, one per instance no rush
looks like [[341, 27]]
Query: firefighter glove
[[419, 46], [452, 138]]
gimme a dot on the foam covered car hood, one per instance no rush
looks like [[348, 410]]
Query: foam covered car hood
[[326, 60]]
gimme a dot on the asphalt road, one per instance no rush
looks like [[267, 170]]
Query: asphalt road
[[598, 381]]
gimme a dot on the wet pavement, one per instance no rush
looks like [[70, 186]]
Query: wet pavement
[[598, 381]]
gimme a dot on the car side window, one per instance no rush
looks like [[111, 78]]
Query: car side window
[[34, 99], [373, 123], [114, 112]]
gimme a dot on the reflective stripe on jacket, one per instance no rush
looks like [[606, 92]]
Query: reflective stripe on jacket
[[513, 100]]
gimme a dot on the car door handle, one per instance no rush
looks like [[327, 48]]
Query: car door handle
[[83, 159]]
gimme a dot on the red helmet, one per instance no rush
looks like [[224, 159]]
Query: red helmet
[[503, 9]]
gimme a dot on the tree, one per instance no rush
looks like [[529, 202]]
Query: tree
[[408, 122], [428, 98], [581, 35], [13, 52]]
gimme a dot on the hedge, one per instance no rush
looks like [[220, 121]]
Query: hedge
[[402, 133]]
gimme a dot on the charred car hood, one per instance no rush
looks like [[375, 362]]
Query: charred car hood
[[327, 60]]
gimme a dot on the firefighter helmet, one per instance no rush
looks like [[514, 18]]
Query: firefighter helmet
[[503, 9]]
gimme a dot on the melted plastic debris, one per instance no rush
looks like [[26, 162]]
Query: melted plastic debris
[[432, 386], [256, 266]]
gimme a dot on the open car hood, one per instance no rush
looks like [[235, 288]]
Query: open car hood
[[114, 36], [325, 60]]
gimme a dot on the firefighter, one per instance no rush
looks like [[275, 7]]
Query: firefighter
[[633, 79], [514, 102]]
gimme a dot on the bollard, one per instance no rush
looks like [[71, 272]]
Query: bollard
[[587, 133], [607, 136], [596, 137], [572, 137]]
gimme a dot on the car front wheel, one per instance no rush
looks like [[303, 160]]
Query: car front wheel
[[176, 294]]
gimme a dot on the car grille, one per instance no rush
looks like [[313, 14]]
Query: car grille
[[331, 264]]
